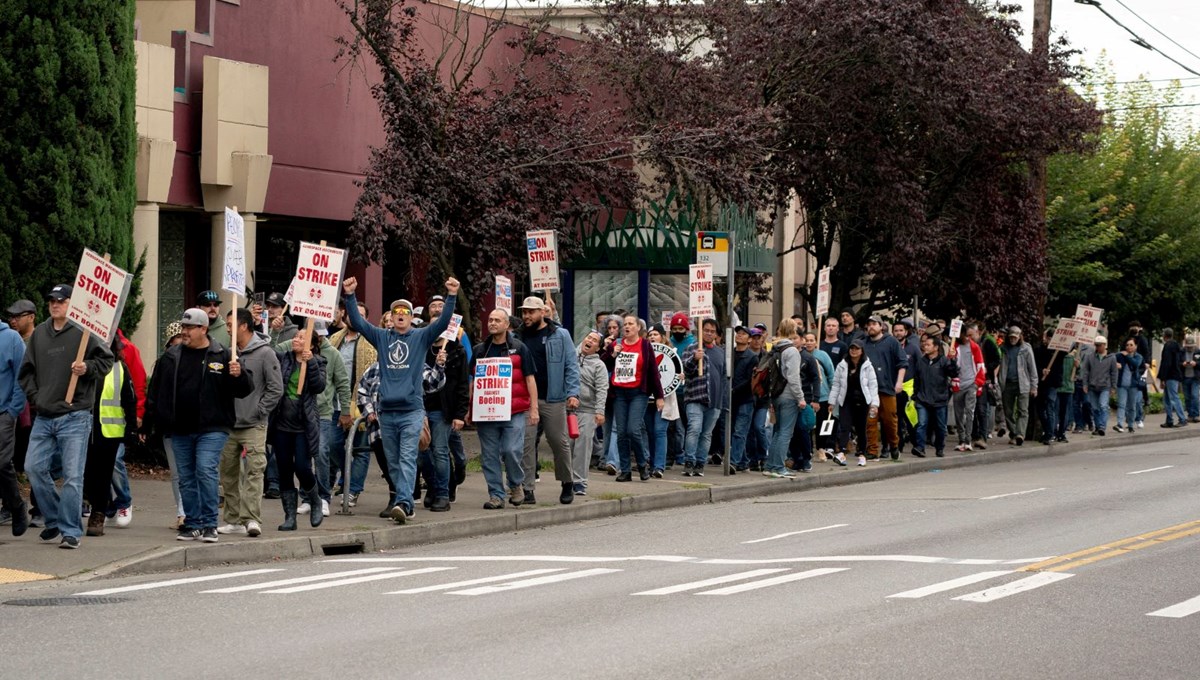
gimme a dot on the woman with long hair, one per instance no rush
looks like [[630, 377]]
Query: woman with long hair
[[853, 398], [634, 380], [295, 428]]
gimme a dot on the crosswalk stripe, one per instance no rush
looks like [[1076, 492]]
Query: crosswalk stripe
[[1038, 580], [538, 581], [356, 579], [696, 585], [1178, 611], [765, 583], [178, 582], [474, 582], [301, 579], [950, 585]]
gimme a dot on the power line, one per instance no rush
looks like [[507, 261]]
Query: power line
[[1150, 106], [1137, 39], [1140, 80], [1155, 29]]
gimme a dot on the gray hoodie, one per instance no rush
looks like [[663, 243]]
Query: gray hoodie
[[259, 359], [593, 384], [790, 362], [46, 369], [1099, 372]]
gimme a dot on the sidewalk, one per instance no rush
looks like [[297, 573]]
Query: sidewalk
[[149, 545]]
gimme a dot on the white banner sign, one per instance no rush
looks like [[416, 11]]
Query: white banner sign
[[451, 332], [1066, 335], [956, 329], [670, 367], [318, 283], [234, 277], [1090, 316], [504, 294], [823, 292], [700, 291], [98, 296], [543, 260], [492, 397]]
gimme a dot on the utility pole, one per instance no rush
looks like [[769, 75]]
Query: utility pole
[[1041, 53]]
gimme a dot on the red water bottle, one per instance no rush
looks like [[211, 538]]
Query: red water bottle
[[572, 425]]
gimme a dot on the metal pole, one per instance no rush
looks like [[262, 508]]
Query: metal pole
[[346, 462], [729, 357]]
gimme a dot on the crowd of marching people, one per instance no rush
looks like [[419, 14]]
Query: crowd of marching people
[[249, 405]]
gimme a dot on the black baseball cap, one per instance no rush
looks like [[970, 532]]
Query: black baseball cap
[[276, 300], [60, 292], [208, 297]]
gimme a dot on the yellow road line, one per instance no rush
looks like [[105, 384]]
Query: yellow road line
[[18, 576], [1116, 548]]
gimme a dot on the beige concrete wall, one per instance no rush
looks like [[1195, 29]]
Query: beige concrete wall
[[235, 116], [145, 237], [160, 17]]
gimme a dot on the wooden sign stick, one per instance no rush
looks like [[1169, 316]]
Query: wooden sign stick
[[700, 342], [83, 343]]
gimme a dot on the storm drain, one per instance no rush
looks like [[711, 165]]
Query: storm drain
[[65, 601], [342, 548]]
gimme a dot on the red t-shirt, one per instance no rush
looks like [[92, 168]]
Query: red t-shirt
[[629, 365]]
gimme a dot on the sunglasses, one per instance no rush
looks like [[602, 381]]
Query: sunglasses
[[402, 311]]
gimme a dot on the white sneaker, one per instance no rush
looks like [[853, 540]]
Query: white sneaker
[[862, 461], [236, 529], [1141, 424], [304, 508], [124, 516], [253, 529], [324, 507]]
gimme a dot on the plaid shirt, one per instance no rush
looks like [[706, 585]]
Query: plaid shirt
[[433, 379]]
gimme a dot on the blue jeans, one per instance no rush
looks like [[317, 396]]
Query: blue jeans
[[786, 413], [758, 445], [701, 421], [1127, 400], [743, 415], [931, 415], [1098, 399], [197, 457], [329, 428], [1049, 415], [660, 439], [400, 432], [502, 444], [629, 426], [436, 458], [1082, 416], [1191, 396], [54, 444], [1171, 403], [120, 483]]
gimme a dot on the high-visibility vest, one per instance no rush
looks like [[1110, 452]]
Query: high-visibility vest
[[112, 416]]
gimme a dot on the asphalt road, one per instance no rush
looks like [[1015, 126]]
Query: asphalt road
[[949, 574]]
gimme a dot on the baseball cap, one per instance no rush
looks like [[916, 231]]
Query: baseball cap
[[761, 326], [60, 292], [876, 318], [680, 319], [1100, 340], [857, 342], [276, 300], [1014, 330], [21, 307], [401, 303], [194, 317], [756, 332], [533, 302], [740, 329], [435, 298], [321, 328], [208, 296]]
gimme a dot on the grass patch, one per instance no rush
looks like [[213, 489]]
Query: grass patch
[[476, 465], [613, 496], [696, 485], [362, 527]]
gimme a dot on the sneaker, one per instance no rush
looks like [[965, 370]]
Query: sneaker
[[940, 453], [1100, 432], [1141, 424], [840, 459], [494, 503], [36, 520], [1001, 432], [5, 517], [787, 474], [271, 493], [49, 534], [440, 505], [1020, 441], [209, 535], [580, 489], [611, 470], [399, 515], [806, 467], [1119, 428], [253, 529], [353, 499], [627, 477], [919, 453], [304, 508], [657, 474], [188, 535], [1167, 424], [69, 543], [529, 497], [979, 444], [862, 461], [698, 471], [124, 517], [768, 473], [238, 529], [324, 507]]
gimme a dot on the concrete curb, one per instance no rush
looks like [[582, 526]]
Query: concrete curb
[[175, 558]]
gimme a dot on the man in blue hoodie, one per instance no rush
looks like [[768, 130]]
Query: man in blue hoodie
[[402, 351], [12, 403]]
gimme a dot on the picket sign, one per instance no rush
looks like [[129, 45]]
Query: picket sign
[[98, 297], [956, 329], [451, 332], [504, 294], [491, 395], [1090, 317], [308, 325], [700, 300], [234, 278], [543, 260]]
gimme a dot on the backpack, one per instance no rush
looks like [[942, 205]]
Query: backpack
[[768, 381]]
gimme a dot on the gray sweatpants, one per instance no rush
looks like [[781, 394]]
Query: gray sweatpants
[[581, 449], [964, 412], [554, 426]]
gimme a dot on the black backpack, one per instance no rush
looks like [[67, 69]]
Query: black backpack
[[768, 381]]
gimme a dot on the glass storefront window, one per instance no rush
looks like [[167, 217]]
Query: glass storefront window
[[601, 290]]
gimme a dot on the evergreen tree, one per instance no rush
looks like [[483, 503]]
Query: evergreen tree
[[68, 144]]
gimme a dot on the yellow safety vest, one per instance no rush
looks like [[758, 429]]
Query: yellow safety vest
[[112, 416]]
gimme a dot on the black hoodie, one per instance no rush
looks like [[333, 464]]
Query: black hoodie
[[218, 389]]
